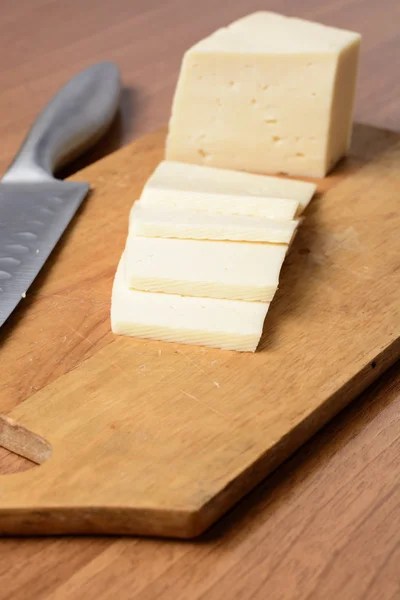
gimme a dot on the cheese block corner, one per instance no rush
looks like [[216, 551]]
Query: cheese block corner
[[267, 94]]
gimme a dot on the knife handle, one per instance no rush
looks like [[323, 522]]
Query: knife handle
[[74, 120]]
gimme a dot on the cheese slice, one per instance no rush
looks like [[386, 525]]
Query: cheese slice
[[194, 187], [226, 324], [235, 270], [267, 94], [152, 221]]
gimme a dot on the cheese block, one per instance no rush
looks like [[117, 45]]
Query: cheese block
[[266, 94], [155, 221], [195, 187], [226, 324], [235, 270]]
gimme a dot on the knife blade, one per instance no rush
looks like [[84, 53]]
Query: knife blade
[[36, 208]]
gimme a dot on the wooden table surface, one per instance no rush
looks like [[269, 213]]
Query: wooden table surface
[[327, 524]]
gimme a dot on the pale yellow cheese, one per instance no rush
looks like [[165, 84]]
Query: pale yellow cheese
[[155, 221], [234, 270], [195, 187], [266, 94], [226, 324]]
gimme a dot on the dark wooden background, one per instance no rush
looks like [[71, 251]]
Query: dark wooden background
[[327, 524]]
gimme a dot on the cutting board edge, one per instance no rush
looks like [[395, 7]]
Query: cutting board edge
[[191, 523], [258, 470], [198, 518]]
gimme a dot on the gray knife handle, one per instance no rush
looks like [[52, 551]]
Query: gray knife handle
[[73, 120]]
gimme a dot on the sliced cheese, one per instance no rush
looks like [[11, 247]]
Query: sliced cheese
[[194, 187], [226, 324], [152, 221], [266, 94], [235, 270]]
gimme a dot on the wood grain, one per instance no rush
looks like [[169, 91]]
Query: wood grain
[[158, 439], [355, 454]]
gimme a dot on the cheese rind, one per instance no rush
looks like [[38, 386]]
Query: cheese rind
[[226, 324], [233, 270], [266, 94], [195, 187], [152, 221]]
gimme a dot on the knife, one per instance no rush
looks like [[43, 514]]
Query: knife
[[35, 208]]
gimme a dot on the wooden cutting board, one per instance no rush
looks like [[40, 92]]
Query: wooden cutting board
[[142, 437]]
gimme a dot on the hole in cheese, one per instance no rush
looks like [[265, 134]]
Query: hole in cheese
[[292, 54]]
